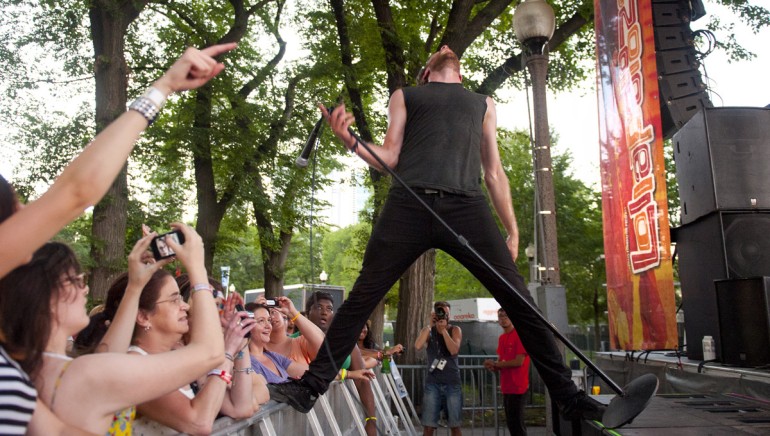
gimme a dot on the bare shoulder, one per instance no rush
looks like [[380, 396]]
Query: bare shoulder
[[397, 98]]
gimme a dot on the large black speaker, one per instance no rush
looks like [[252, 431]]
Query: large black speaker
[[723, 161], [721, 245], [682, 92], [744, 321]]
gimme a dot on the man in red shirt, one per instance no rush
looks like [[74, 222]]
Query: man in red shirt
[[513, 365]]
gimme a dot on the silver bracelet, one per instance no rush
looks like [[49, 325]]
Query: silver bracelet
[[146, 108], [149, 104], [247, 370]]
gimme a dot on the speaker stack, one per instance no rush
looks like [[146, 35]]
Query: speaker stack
[[682, 91], [722, 160]]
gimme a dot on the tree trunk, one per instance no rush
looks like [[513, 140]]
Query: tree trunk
[[210, 209], [378, 323], [414, 305], [109, 21], [273, 261]]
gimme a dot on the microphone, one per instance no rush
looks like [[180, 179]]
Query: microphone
[[311, 140]]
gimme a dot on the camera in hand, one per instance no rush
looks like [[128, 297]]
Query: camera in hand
[[239, 308], [441, 313], [161, 249], [271, 302]]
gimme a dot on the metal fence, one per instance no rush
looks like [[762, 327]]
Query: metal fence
[[482, 407]]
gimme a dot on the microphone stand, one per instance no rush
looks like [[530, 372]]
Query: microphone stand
[[628, 403]]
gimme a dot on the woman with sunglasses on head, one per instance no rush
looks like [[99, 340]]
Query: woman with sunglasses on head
[[228, 308], [273, 366], [302, 348], [42, 304], [82, 183]]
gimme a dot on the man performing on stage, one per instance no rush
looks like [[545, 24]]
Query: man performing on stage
[[439, 137]]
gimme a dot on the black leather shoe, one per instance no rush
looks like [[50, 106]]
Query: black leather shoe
[[581, 406], [295, 393]]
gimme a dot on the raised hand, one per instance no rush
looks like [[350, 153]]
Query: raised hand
[[141, 264], [340, 120], [191, 252], [193, 69]]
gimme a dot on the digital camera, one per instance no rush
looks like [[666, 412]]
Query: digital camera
[[239, 308], [440, 313], [161, 249]]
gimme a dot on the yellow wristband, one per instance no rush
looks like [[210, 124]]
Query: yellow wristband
[[370, 418], [343, 373], [295, 317]]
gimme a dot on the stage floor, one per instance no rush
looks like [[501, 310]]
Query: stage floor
[[694, 414]]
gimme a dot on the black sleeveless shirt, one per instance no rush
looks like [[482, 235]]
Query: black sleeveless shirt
[[442, 138]]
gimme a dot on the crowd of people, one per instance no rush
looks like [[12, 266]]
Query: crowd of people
[[163, 354]]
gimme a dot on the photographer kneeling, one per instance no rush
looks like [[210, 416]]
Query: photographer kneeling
[[442, 383]]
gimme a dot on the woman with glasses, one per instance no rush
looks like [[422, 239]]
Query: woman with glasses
[[89, 390], [148, 296], [161, 323]]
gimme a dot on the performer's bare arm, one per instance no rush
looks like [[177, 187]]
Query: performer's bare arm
[[496, 180], [339, 120]]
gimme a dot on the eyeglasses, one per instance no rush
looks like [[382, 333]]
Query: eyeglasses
[[322, 308], [177, 298], [80, 281], [276, 317]]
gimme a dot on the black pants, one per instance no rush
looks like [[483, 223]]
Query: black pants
[[514, 413], [403, 232]]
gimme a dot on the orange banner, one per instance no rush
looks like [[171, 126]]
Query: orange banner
[[640, 284]]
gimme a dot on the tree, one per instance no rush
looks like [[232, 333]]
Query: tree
[[239, 131], [109, 24]]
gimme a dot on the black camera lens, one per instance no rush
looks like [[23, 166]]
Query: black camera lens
[[440, 313]]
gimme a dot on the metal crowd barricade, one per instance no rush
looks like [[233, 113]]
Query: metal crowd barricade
[[339, 411]]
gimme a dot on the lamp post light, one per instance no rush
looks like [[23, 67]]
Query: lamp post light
[[323, 276], [534, 24], [531, 252]]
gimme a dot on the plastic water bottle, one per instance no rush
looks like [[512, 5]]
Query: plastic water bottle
[[709, 349], [385, 359]]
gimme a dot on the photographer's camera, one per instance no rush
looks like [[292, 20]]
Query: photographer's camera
[[441, 313]]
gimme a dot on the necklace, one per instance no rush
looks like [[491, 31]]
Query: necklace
[[57, 355]]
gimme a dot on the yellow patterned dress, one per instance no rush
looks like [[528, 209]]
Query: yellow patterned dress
[[121, 422]]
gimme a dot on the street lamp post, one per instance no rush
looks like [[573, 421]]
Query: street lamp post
[[533, 24], [323, 276]]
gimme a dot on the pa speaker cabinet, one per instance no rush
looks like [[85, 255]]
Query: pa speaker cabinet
[[722, 160], [744, 321], [721, 245]]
